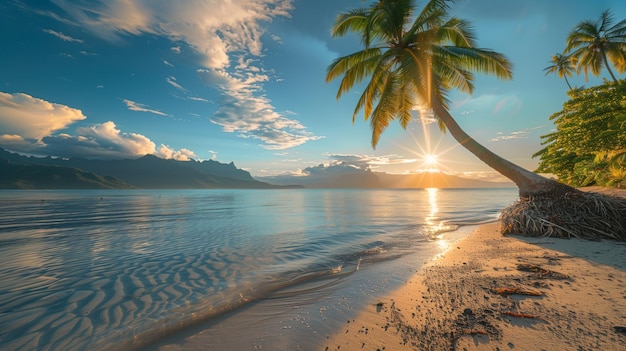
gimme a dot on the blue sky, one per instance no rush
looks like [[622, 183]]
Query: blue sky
[[244, 81]]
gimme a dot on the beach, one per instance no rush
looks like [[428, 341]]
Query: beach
[[494, 292], [231, 270], [213, 269]]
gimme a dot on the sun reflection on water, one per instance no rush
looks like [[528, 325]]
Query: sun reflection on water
[[435, 227], [432, 224]]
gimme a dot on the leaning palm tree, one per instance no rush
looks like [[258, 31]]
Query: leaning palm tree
[[595, 43], [562, 66], [411, 63]]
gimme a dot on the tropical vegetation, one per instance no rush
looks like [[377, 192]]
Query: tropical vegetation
[[588, 146], [563, 66], [590, 47], [413, 59]]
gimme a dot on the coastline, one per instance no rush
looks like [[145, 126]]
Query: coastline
[[466, 299]]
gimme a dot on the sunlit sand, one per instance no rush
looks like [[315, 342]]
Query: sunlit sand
[[490, 292]]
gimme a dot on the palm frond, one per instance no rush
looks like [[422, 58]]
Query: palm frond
[[457, 32], [353, 21], [385, 110], [354, 68]]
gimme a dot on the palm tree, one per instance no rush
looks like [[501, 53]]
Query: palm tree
[[412, 63], [595, 43], [416, 64], [562, 66]]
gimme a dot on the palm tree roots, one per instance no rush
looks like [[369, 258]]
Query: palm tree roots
[[584, 215]]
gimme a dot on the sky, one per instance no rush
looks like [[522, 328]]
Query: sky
[[243, 81]]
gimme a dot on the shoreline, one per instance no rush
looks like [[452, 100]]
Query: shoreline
[[300, 317], [466, 299]]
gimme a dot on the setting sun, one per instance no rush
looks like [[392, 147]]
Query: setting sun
[[430, 160]]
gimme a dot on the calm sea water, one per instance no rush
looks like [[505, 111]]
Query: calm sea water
[[112, 269]]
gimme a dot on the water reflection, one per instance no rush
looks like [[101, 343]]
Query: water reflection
[[434, 226], [106, 267]]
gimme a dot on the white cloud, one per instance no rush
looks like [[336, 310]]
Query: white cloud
[[107, 136], [367, 161], [134, 106], [110, 19], [512, 135], [213, 28], [194, 98], [33, 118], [63, 36], [172, 81], [28, 124], [167, 63], [520, 134], [252, 115], [180, 155], [219, 32], [105, 140], [98, 141]]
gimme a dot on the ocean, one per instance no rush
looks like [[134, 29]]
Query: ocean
[[259, 269]]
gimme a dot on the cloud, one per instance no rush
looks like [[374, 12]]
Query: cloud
[[344, 163], [180, 155], [33, 118], [369, 161], [512, 135], [106, 141], [213, 28], [109, 19], [520, 134], [172, 81], [194, 98], [334, 168], [63, 36], [29, 124], [220, 32], [252, 115], [134, 106], [102, 140]]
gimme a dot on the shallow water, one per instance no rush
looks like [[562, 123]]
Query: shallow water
[[112, 269]]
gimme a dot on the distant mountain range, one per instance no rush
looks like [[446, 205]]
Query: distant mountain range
[[356, 178], [148, 172]]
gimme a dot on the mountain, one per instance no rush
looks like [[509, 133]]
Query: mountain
[[19, 176], [147, 172], [151, 172], [353, 178], [436, 180]]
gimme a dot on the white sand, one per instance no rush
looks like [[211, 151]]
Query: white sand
[[452, 303]]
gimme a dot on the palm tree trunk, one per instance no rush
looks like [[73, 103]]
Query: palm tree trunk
[[606, 63], [567, 82], [530, 184]]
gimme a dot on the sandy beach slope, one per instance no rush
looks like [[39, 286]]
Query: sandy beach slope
[[491, 292]]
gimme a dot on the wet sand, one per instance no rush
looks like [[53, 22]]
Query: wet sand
[[491, 292]]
